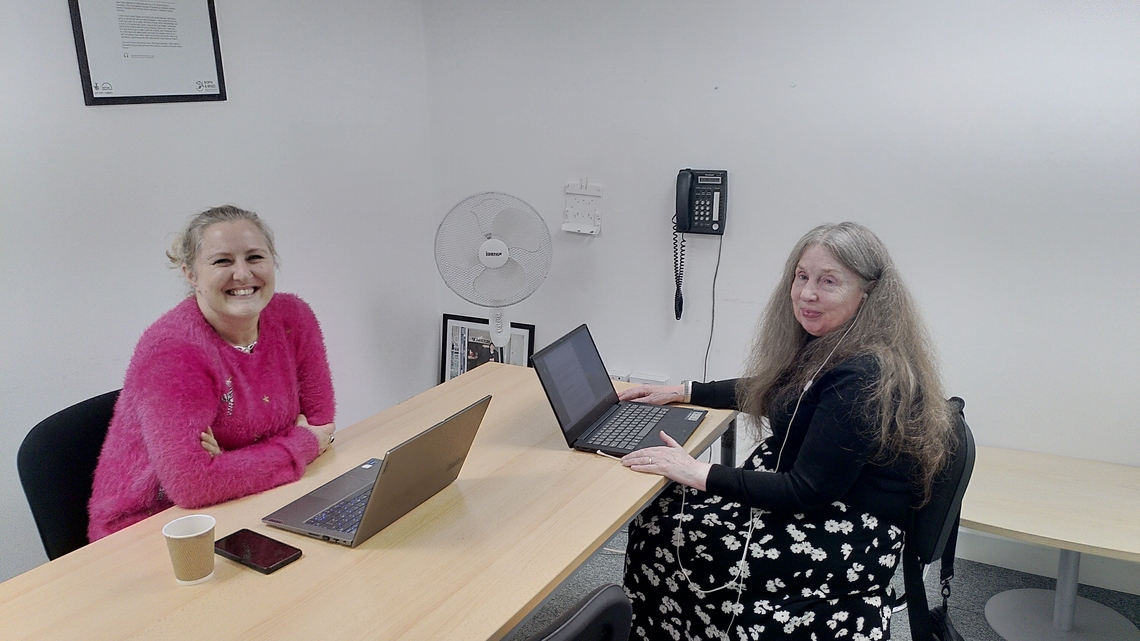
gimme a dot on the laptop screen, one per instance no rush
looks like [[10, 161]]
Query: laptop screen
[[575, 380]]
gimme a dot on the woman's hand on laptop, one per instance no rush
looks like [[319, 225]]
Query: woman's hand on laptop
[[323, 433], [670, 461], [654, 394]]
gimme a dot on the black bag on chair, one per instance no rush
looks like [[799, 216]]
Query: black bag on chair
[[933, 534]]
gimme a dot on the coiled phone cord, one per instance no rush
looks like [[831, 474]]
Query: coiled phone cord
[[678, 268]]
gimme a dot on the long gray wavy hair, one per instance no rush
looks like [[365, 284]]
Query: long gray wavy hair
[[907, 401]]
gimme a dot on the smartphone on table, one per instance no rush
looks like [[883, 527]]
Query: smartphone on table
[[256, 550]]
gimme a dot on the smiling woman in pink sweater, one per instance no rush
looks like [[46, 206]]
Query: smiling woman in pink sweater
[[228, 394]]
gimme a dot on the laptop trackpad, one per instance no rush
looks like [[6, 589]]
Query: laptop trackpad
[[299, 510], [341, 487]]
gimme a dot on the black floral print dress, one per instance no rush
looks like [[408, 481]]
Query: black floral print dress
[[805, 553]]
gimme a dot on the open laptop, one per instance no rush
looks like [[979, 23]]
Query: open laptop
[[587, 407], [368, 498]]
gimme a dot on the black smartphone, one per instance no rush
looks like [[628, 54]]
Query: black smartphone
[[256, 550]]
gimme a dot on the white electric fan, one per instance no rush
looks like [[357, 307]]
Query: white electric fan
[[493, 250]]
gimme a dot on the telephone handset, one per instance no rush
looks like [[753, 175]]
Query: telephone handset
[[702, 200]]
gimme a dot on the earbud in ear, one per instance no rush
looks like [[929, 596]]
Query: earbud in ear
[[864, 295]]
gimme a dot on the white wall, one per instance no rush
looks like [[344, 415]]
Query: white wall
[[993, 149], [992, 146], [323, 134]]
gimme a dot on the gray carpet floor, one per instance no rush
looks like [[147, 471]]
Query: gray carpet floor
[[973, 584]]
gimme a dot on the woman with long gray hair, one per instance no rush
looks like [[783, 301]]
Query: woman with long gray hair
[[801, 542]]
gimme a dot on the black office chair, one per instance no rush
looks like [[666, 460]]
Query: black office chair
[[603, 615], [56, 463], [933, 534]]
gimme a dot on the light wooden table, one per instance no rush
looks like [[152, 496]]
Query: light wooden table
[[1076, 505], [470, 563]]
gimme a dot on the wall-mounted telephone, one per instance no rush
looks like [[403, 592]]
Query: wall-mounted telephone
[[702, 200]]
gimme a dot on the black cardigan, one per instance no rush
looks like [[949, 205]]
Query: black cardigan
[[826, 457]]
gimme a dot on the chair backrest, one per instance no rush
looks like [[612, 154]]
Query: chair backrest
[[603, 615], [56, 463], [934, 527], [934, 522]]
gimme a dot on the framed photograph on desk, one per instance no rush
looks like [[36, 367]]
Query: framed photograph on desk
[[467, 345]]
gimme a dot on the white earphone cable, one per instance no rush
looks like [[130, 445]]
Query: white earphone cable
[[737, 582], [808, 385]]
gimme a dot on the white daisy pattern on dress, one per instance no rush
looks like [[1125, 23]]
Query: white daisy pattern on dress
[[803, 576]]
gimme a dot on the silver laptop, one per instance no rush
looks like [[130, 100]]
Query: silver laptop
[[368, 498], [587, 407]]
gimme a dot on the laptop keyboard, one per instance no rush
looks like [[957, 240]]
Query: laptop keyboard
[[627, 427], [344, 516]]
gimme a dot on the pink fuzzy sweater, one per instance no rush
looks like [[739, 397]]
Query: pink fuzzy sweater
[[184, 378]]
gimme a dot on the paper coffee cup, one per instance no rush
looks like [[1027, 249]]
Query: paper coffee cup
[[190, 540]]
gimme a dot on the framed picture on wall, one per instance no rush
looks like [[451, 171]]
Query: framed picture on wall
[[467, 345], [147, 51]]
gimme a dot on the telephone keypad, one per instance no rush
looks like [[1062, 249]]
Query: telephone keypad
[[705, 208]]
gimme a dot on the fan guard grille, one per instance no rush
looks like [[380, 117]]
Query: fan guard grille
[[493, 215]]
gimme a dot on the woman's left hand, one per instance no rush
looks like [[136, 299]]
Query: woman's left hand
[[209, 443], [323, 433], [671, 461]]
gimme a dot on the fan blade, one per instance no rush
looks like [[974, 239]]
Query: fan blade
[[518, 228], [534, 264], [458, 239], [460, 279], [501, 285]]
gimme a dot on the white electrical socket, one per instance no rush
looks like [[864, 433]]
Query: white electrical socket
[[583, 208], [620, 376]]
